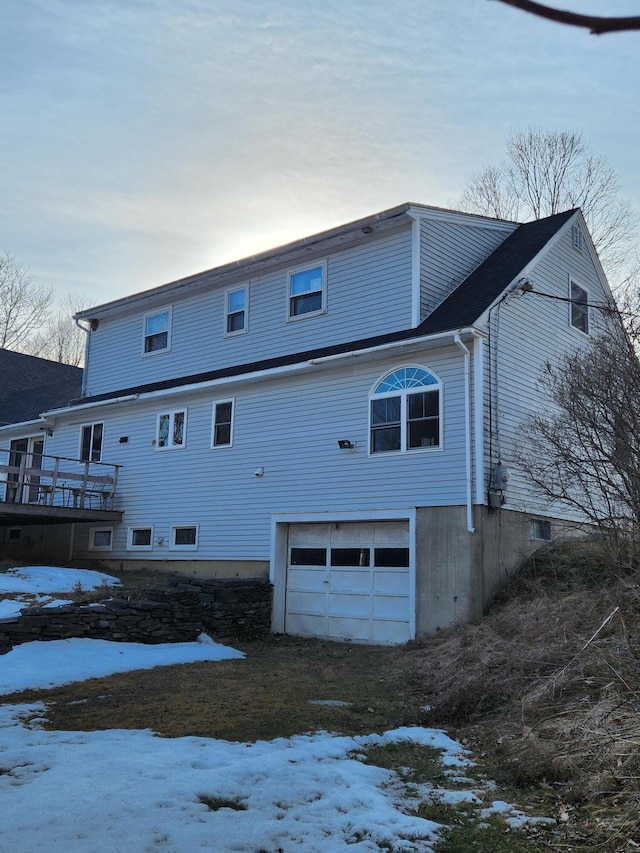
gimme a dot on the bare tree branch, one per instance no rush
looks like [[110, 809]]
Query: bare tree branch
[[595, 24], [23, 305], [545, 172]]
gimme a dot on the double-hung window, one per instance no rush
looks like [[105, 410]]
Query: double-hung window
[[236, 313], [91, 442], [171, 430], [307, 291], [222, 433], [405, 411], [579, 307], [157, 331]]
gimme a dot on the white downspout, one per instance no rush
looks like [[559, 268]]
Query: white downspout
[[467, 428]]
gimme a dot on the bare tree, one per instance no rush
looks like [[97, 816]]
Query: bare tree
[[586, 454], [23, 305], [59, 338], [597, 25], [546, 172]]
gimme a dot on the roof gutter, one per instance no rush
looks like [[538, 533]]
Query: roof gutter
[[284, 370]]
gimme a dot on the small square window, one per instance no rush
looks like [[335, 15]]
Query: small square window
[[140, 538], [184, 537], [579, 308], [100, 538], [171, 429], [540, 529], [222, 423], [236, 311], [13, 534], [157, 331], [307, 292]]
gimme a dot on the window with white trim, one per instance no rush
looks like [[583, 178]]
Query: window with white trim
[[307, 291], [91, 442], [236, 311], [579, 307], [171, 431], [405, 411], [100, 538], [184, 537], [222, 432], [140, 539], [157, 332]]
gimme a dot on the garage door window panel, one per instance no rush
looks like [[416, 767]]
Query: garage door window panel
[[350, 557], [308, 556]]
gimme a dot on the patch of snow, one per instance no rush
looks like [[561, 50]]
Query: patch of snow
[[52, 579], [129, 790], [41, 665]]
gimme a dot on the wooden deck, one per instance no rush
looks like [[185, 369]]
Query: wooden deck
[[42, 489]]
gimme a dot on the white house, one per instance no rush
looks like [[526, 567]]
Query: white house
[[343, 415]]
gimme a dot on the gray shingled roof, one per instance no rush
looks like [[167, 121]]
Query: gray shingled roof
[[31, 385]]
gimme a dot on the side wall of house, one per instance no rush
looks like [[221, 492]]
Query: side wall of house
[[287, 429], [527, 331]]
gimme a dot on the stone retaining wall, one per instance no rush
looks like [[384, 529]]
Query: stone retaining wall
[[178, 612]]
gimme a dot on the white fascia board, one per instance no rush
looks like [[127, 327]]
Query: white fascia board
[[461, 218], [21, 426], [259, 375]]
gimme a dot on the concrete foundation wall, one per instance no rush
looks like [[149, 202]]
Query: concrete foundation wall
[[458, 572], [206, 569]]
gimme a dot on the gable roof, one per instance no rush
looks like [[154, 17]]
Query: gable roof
[[479, 290], [31, 385], [460, 310]]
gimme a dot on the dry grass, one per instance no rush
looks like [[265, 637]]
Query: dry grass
[[266, 695], [548, 684]]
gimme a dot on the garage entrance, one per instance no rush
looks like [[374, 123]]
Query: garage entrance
[[349, 580]]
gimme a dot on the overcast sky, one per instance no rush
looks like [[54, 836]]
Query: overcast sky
[[144, 140]]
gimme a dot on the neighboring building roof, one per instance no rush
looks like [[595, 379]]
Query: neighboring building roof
[[31, 385]]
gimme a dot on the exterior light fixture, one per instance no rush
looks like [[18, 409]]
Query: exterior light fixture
[[345, 444]]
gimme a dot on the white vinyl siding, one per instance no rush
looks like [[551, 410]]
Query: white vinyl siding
[[527, 333], [368, 293], [289, 426], [449, 253]]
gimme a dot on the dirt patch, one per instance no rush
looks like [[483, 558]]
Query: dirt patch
[[284, 686]]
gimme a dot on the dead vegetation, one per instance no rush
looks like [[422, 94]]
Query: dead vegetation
[[548, 684]]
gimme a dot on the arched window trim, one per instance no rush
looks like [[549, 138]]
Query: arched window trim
[[403, 389]]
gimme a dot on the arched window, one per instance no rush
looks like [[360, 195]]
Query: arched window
[[405, 411]]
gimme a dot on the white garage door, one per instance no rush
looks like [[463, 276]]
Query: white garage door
[[349, 581]]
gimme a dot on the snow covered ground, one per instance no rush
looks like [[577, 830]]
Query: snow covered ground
[[134, 792]]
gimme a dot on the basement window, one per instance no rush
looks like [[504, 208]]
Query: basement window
[[184, 537], [540, 529], [13, 534], [100, 538], [140, 538]]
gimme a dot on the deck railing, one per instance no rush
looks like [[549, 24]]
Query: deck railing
[[28, 477]]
